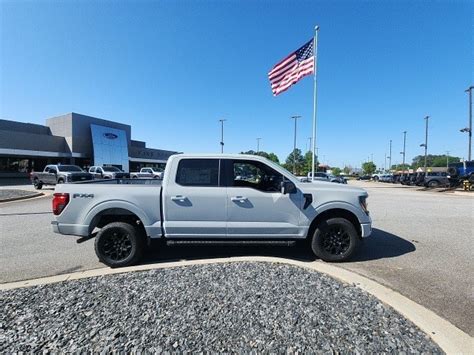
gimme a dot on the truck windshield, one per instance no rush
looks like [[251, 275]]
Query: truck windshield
[[69, 168], [111, 168]]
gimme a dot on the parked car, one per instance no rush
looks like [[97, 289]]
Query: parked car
[[147, 173], [377, 176], [58, 174], [108, 172], [419, 179], [364, 177], [320, 176], [201, 199], [436, 179]]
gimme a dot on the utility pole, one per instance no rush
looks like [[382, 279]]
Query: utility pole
[[426, 140], [258, 144], [294, 144], [447, 159], [469, 129], [222, 134], [390, 157], [404, 148]]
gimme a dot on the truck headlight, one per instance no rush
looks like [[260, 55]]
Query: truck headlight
[[363, 204]]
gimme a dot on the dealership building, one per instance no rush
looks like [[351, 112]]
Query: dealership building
[[73, 139]]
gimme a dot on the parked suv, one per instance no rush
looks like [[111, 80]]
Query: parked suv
[[461, 170], [108, 172], [436, 179]]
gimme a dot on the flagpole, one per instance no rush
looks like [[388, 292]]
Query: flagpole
[[315, 49]]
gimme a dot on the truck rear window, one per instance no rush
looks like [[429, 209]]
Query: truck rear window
[[198, 172]]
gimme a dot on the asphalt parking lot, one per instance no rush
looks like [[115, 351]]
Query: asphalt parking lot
[[420, 247]]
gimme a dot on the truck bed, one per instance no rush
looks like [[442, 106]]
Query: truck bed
[[89, 199]]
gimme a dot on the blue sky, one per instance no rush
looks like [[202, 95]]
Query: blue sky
[[171, 69]]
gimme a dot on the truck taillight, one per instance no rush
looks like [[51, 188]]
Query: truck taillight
[[60, 201]]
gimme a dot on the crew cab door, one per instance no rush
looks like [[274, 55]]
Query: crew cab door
[[256, 206], [50, 176], [194, 200]]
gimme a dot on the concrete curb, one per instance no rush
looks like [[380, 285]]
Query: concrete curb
[[26, 197], [450, 338]]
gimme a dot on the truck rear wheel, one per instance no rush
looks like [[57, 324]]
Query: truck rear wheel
[[119, 244], [335, 239]]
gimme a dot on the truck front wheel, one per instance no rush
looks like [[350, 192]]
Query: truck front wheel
[[335, 239], [119, 244], [37, 184]]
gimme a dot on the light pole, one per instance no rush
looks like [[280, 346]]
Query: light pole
[[294, 144], [404, 148], [469, 129], [258, 144], [222, 134], [390, 157], [447, 159], [310, 140], [426, 140]]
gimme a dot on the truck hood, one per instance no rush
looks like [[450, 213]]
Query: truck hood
[[315, 186]]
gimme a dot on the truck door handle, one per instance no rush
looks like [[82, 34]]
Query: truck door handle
[[178, 198], [240, 199]]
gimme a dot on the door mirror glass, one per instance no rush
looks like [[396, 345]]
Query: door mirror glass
[[287, 187]]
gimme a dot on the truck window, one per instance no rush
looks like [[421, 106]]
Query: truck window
[[198, 172], [256, 175]]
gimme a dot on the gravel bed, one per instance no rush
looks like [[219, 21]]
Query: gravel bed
[[7, 194], [233, 307]]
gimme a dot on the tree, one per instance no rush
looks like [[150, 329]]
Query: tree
[[433, 160], [308, 157], [336, 171], [369, 167], [297, 157], [347, 169], [400, 167], [270, 156]]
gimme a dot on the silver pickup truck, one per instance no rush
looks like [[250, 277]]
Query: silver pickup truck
[[212, 198]]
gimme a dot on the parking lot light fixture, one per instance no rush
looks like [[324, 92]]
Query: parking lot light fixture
[[404, 146], [294, 144], [426, 139], [222, 134], [469, 130]]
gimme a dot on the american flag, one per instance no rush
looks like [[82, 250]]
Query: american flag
[[291, 69]]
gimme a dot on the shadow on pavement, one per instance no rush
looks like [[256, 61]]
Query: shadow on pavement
[[379, 245], [382, 245]]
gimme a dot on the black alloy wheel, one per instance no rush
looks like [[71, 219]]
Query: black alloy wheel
[[119, 244], [433, 183], [335, 239]]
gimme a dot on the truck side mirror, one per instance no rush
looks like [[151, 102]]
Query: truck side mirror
[[287, 187]]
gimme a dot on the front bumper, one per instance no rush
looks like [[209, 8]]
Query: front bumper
[[365, 229]]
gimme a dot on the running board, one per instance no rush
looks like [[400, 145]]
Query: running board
[[175, 242]]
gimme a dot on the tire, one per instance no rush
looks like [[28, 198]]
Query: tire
[[60, 181], [327, 243], [452, 171], [134, 177], [37, 184], [119, 244], [376, 178], [433, 183]]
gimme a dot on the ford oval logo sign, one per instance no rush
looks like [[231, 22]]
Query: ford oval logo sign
[[110, 136]]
